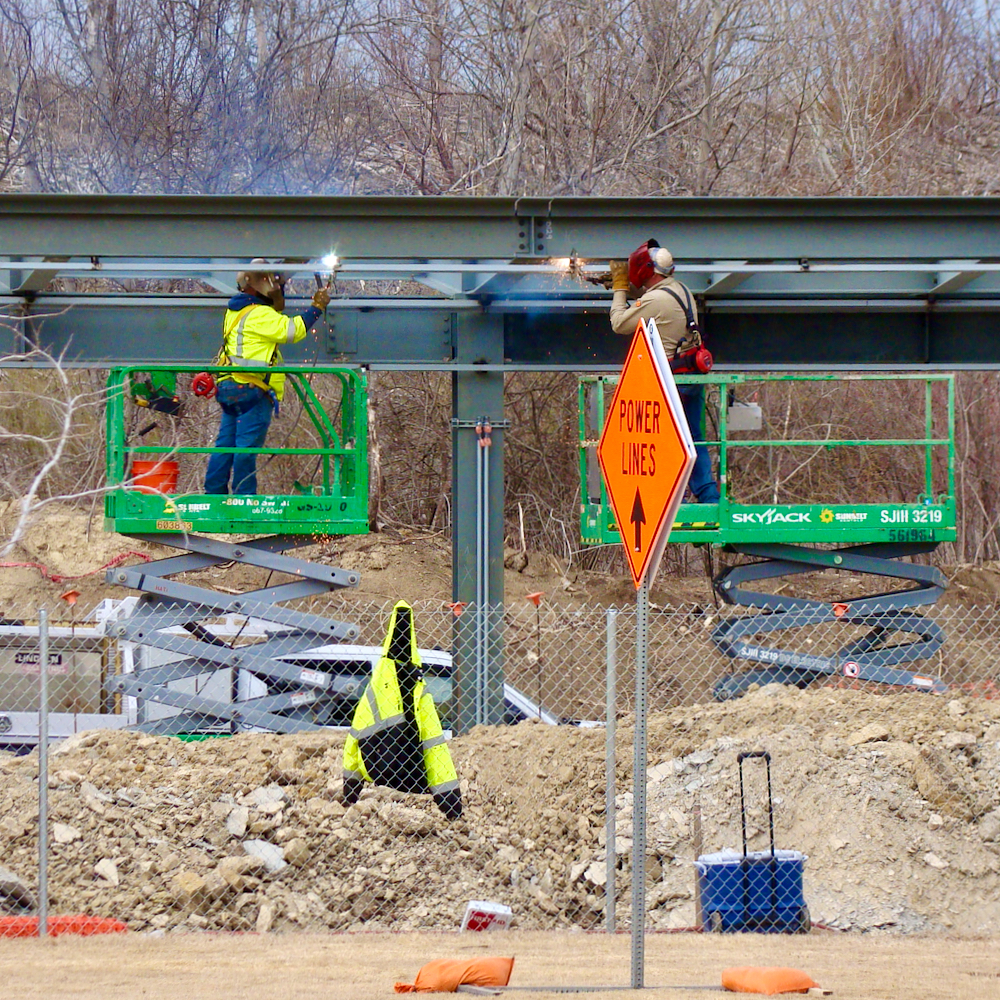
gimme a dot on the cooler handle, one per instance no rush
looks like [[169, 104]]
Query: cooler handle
[[740, 757]]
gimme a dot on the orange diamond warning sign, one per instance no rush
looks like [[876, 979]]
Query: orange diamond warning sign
[[646, 452]]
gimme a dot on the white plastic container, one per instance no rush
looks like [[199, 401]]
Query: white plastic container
[[483, 915], [744, 416]]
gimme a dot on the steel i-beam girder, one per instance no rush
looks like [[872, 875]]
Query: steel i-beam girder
[[784, 282]]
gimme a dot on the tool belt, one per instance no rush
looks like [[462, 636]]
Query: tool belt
[[250, 378], [695, 361]]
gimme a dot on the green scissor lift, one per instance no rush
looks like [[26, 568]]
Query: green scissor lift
[[170, 615], [792, 539]]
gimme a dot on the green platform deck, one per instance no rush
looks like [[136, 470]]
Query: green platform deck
[[928, 516], [337, 504]]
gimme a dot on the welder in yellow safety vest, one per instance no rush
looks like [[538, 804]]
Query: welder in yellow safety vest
[[396, 738], [253, 330]]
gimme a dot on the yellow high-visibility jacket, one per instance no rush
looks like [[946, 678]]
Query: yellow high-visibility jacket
[[378, 728], [252, 334]]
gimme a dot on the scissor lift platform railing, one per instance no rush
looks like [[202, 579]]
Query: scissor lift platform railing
[[929, 518], [792, 539], [171, 614], [337, 505]]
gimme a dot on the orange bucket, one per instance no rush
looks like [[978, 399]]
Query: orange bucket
[[154, 477]]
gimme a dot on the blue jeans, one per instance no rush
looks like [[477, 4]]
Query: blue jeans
[[246, 416], [702, 483]]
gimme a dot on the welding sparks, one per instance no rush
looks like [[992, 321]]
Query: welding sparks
[[572, 265]]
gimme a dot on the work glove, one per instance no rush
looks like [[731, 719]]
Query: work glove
[[450, 803], [321, 298], [619, 275]]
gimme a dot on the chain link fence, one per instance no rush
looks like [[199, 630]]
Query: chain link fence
[[171, 805]]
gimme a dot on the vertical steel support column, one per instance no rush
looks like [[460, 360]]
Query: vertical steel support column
[[483, 561], [14, 320], [610, 718], [477, 518], [639, 787], [43, 773], [928, 434], [482, 584]]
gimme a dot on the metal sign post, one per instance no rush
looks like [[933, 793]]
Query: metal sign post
[[646, 454], [639, 787]]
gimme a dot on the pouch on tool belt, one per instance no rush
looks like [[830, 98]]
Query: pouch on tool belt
[[697, 361]]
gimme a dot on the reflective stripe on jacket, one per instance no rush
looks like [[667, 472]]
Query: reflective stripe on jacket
[[252, 338], [380, 708]]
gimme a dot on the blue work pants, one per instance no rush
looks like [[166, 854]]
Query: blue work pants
[[702, 483], [246, 416]]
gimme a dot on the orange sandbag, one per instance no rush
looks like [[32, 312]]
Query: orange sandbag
[[83, 926], [445, 975], [758, 979]]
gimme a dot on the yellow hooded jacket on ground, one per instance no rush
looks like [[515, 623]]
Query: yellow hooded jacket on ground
[[378, 747], [253, 331]]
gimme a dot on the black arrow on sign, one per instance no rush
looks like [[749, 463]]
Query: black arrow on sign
[[638, 518]]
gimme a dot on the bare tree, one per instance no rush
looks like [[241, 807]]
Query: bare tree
[[18, 88], [50, 418], [207, 96]]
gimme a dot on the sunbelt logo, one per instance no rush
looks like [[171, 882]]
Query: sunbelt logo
[[773, 516], [826, 515]]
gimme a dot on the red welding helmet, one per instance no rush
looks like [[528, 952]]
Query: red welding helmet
[[640, 265]]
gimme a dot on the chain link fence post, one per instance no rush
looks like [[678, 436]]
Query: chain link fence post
[[610, 717], [43, 772]]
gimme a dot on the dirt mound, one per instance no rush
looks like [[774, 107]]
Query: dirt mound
[[897, 813], [894, 800]]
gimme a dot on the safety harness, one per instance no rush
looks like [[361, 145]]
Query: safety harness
[[262, 382], [695, 360]]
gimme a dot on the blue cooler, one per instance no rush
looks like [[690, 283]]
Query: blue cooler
[[753, 892]]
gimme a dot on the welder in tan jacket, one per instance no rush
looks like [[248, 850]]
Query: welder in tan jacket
[[649, 271]]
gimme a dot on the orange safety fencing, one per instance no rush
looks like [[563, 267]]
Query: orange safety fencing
[[80, 925]]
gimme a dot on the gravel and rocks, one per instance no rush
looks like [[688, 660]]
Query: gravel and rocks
[[893, 799]]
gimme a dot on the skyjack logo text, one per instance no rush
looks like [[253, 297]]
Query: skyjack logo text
[[773, 516]]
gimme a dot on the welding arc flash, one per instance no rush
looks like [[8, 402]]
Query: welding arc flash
[[638, 518]]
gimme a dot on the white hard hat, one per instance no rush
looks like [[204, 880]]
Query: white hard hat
[[663, 260]]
